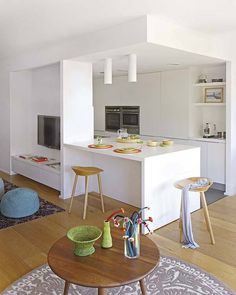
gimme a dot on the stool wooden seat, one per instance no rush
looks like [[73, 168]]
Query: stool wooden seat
[[86, 171], [184, 182]]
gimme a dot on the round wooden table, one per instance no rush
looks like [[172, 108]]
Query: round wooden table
[[106, 268]]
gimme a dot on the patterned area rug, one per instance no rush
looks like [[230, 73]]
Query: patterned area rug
[[46, 208], [171, 277]]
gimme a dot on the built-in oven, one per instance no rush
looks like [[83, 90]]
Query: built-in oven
[[112, 118], [117, 117], [130, 119]]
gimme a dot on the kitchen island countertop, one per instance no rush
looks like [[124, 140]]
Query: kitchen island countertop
[[146, 151]]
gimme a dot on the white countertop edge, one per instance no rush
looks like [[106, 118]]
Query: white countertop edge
[[214, 140], [160, 151], [159, 137]]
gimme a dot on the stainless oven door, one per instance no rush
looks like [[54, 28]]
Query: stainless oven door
[[112, 121], [130, 119]]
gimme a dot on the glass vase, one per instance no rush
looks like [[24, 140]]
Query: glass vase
[[132, 243]]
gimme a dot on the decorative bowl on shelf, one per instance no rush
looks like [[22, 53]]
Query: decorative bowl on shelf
[[84, 237]]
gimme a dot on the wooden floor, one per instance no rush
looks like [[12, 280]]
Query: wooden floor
[[25, 246]]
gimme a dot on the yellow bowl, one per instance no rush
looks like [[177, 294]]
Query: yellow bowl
[[152, 143], [167, 142]]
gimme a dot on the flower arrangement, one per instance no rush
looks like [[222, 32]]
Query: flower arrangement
[[115, 213], [130, 227]]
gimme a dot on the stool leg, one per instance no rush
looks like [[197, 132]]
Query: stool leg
[[86, 196], [180, 223], [73, 192], [100, 191], [207, 217]]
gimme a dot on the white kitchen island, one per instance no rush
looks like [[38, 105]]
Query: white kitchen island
[[143, 179]]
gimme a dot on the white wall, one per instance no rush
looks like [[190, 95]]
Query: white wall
[[20, 92], [45, 100], [163, 99], [77, 120], [77, 101], [34, 92]]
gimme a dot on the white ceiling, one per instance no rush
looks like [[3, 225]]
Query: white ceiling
[[150, 58], [27, 24]]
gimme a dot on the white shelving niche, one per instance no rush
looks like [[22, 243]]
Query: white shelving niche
[[212, 150], [210, 112], [38, 91]]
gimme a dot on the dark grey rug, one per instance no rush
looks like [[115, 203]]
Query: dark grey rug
[[46, 208], [171, 277]]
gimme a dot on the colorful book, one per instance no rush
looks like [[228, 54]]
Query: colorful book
[[40, 159]]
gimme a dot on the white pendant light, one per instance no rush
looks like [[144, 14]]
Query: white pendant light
[[108, 71], [132, 73]]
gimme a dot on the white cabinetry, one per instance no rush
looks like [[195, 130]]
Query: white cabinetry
[[175, 103], [39, 172], [204, 159], [216, 162], [212, 157]]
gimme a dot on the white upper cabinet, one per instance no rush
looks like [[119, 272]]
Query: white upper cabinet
[[175, 103]]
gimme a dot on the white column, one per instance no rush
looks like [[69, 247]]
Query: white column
[[77, 120]]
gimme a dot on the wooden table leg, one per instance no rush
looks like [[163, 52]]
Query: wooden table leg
[[142, 287], [66, 288], [102, 291]]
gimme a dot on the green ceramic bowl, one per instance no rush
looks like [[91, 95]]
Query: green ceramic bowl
[[84, 237]]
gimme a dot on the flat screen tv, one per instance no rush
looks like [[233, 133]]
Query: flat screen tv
[[49, 131]]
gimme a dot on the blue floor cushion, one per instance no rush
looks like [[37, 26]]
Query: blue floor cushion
[[2, 191], [19, 202]]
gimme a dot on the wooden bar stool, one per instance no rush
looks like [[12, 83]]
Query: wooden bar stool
[[184, 182], [86, 171]]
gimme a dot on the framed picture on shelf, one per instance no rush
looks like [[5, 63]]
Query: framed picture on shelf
[[214, 95]]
